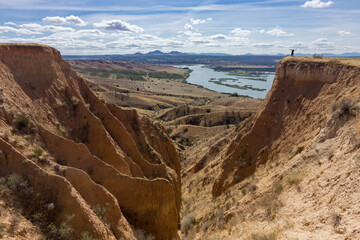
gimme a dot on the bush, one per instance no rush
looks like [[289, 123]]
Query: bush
[[63, 231], [318, 55], [37, 152], [187, 222], [278, 187], [100, 211], [22, 122], [16, 183], [258, 236], [293, 178], [344, 108]]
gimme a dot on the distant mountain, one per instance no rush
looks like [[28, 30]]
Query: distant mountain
[[177, 53], [156, 52], [352, 54]]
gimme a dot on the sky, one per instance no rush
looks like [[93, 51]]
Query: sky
[[83, 27]]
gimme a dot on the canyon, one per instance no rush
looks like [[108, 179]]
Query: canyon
[[74, 165]]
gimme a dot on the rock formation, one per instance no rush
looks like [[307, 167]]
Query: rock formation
[[100, 168], [297, 107]]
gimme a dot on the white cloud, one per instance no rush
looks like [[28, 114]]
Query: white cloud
[[9, 23], [299, 44], [199, 41], [323, 44], [190, 33], [65, 20], [144, 42], [199, 21], [89, 33], [262, 31], [317, 4], [241, 32], [278, 45], [4, 29], [264, 45], [344, 33], [188, 27], [277, 31], [118, 26], [46, 28], [218, 37]]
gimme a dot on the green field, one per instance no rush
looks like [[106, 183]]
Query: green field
[[128, 74]]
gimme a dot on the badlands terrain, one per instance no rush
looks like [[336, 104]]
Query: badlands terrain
[[122, 150]]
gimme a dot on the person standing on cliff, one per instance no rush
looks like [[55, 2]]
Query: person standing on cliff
[[292, 52]]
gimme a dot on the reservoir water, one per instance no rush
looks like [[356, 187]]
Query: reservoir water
[[251, 83]]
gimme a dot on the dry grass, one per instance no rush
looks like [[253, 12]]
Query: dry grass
[[264, 236]]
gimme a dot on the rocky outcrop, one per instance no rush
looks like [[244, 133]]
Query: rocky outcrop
[[297, 107], [107, 167]]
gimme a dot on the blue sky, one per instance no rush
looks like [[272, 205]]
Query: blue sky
[[223, 26]]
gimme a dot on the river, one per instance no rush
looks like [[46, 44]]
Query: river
[[250, 83]]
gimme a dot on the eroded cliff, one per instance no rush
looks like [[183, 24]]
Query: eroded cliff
[[90, 166], [291, 171], [297, 107]]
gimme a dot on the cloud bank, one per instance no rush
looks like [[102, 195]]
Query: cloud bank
[[118, 26], [317, 4], [69, 20]]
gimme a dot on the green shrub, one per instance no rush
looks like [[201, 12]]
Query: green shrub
[[63, 231], [16, 183], [100, 211], [243, 191], [21, 122], [37, 216], [318, 55], [37, 152]]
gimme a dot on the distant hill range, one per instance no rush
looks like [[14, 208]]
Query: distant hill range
[[180, 58]]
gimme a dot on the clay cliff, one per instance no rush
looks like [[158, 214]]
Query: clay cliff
[[302, 101], [291, 170], [90, 168]]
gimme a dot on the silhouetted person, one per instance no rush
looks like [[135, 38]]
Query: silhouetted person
[[292, 51]]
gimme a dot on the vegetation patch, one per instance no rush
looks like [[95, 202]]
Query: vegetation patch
[[319, 56], [293, 178], [22, 124], [118, 74], [37, 152], [264, 236], [187, 222], [100, 211], [244, 87]]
